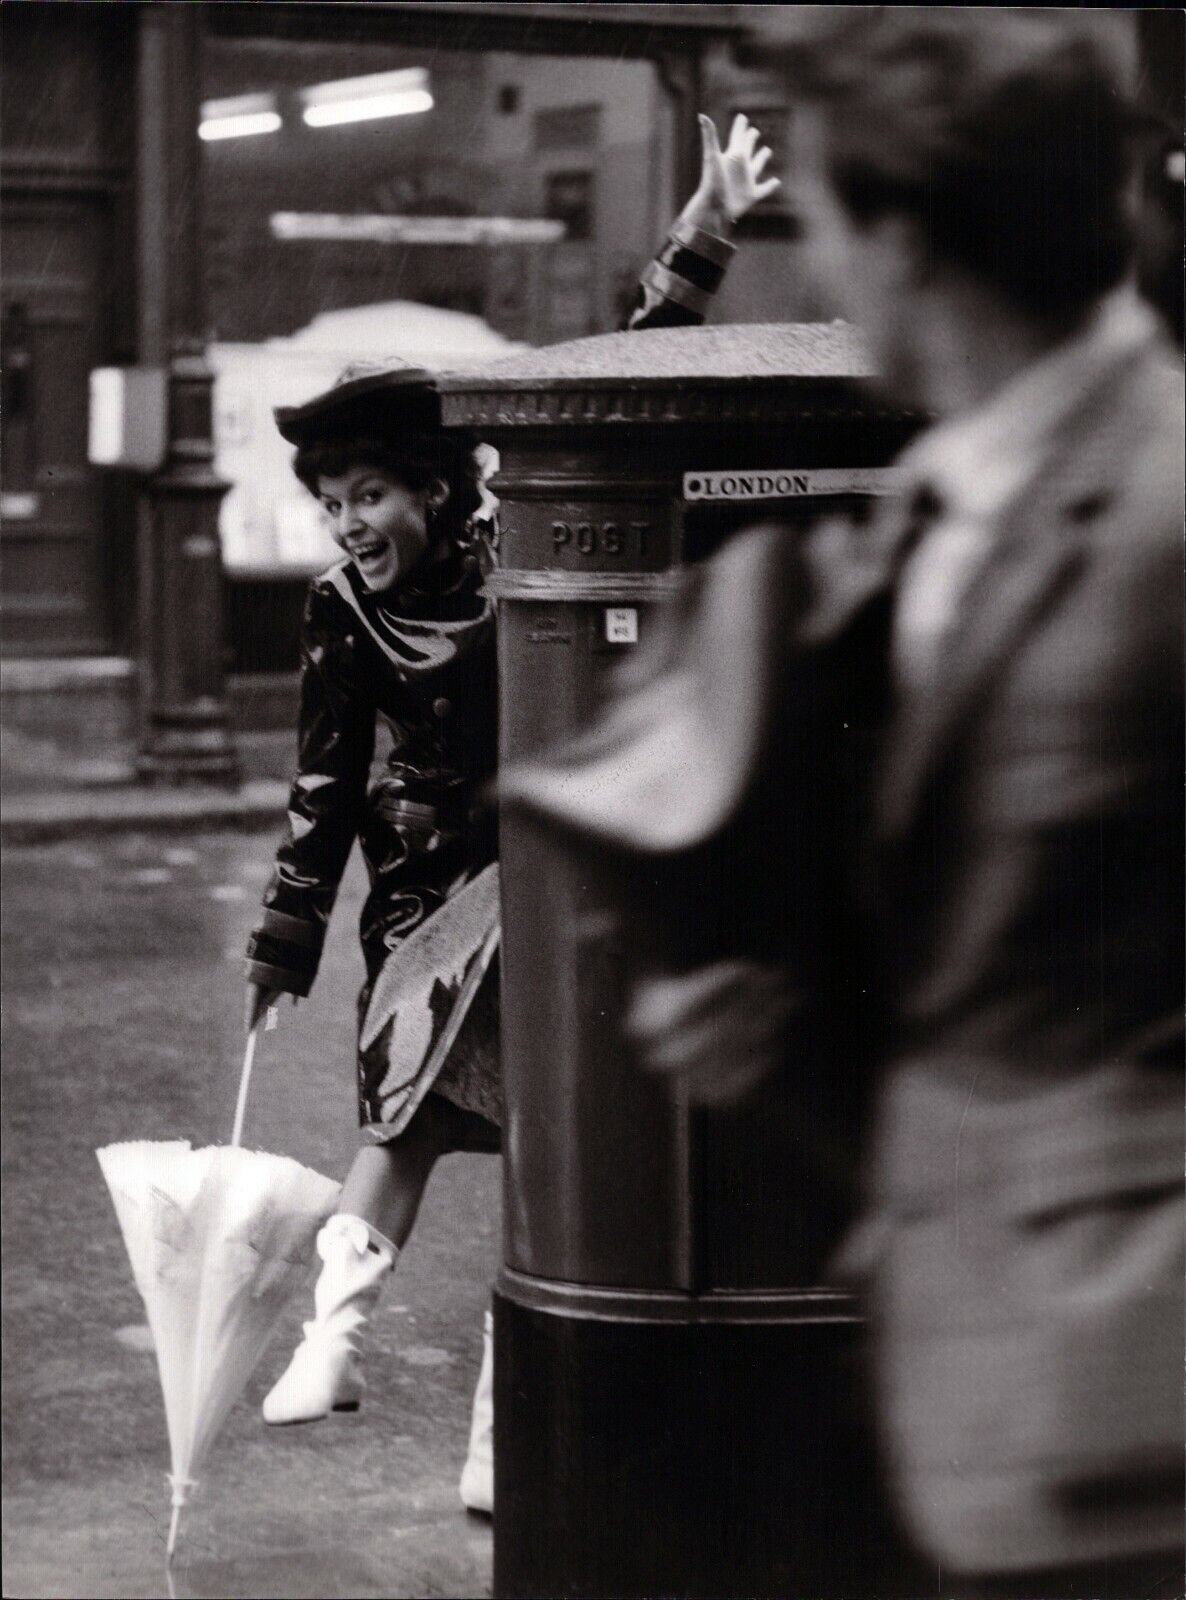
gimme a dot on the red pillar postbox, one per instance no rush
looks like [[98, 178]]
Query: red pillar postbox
[[674, 1388]]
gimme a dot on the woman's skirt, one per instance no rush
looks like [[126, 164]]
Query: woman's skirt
[[428, 1013]]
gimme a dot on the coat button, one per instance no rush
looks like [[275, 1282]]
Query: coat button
[[442, 707]]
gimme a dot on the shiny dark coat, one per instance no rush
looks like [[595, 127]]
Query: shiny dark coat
[[419, 823]]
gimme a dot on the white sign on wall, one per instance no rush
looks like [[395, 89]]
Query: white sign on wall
[[127, 416]]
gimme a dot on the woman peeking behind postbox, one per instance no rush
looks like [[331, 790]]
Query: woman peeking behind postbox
[[399, 631]]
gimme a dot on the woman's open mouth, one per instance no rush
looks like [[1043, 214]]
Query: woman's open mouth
[[369, 552]]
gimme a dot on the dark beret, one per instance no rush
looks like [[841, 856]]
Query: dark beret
[[389, 398]]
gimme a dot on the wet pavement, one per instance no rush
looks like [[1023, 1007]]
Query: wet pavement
[[122, 980]]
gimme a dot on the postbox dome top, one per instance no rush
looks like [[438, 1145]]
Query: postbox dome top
[[667, 375], [731, 352]]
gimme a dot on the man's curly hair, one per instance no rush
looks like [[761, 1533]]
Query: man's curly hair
[[1008, 133]]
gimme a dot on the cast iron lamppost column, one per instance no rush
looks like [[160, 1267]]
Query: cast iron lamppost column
[[183, 733], [673, 1383]]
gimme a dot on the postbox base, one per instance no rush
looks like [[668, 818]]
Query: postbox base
[[661, 1457]]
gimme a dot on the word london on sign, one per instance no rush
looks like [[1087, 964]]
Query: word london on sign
[[788, 483]]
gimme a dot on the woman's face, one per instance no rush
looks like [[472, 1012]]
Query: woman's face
[[379, 522]]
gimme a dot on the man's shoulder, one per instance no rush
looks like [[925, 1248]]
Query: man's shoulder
[[1127, 444], [1159, 389], [1153, 476]]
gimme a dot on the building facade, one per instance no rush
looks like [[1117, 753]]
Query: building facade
[[130, 240]]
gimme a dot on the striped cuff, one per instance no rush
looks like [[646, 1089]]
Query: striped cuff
[[284, 952], [293, 930], [709, 245], [270, 977], [671, 287]]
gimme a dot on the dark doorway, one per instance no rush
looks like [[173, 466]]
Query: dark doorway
[[56, 329]]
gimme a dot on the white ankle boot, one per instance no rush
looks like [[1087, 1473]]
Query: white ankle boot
[[477, 1478], [324, 1373]]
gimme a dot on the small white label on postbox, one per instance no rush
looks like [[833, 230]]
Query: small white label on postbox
[[788, 483], [621, 624]]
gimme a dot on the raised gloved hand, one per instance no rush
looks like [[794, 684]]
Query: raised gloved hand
[[731, 181]]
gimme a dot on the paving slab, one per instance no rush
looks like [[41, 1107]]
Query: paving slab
[[41, 816]]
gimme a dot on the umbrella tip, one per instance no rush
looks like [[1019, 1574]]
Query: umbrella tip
[[174, 1524]]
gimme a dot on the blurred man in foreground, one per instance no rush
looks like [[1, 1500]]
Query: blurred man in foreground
[[965, 182], [963, 179]]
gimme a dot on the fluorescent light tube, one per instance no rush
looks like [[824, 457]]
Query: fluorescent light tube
[[402, 103], [376, 94], [242, 127], [239, 116], [365, 87], [386, 229]]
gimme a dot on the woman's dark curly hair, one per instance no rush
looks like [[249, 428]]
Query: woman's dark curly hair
[[415, 461]]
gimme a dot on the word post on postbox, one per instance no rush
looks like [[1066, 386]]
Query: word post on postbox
[[626, 539]]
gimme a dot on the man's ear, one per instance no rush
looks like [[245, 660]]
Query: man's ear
[[436, 494]]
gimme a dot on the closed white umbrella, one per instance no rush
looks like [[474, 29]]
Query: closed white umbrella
[[219, 1240]]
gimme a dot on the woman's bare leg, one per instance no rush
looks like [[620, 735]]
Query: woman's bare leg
[[386, 1182], [384, 1187]]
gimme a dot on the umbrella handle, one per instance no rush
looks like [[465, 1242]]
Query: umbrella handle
[[244, 1081]]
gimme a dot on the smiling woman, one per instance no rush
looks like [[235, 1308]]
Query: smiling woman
[[400, 629], [380, 523], [388, 503], [397, 629]]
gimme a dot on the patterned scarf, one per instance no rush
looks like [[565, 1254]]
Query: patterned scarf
[[420, 629]]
